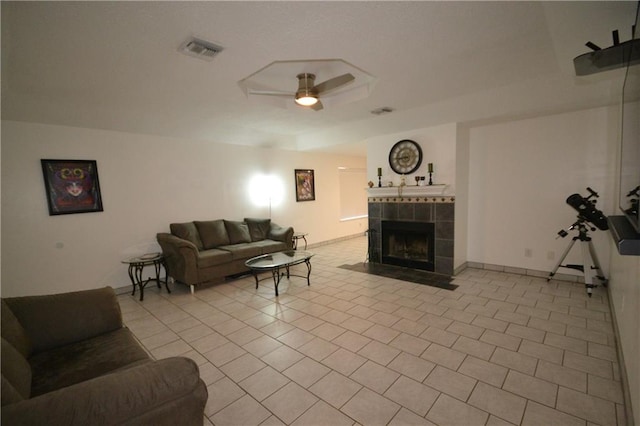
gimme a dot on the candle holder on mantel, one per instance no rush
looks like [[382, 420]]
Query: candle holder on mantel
[[430, 180], [379, 181]]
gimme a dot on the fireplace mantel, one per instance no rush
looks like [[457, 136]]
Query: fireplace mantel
[[407, 190]]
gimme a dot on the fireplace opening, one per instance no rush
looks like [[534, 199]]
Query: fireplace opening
[[408, 244]]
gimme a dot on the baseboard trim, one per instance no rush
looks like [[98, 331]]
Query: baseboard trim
[[123, 290], [520, 271], [336, 240]]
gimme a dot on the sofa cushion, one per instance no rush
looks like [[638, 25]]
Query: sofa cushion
[[15, 370], [13, 331], [258, 228], [213, 257], [238, 232], [270, 246], [187, 231], [78, 362], [243, 250], [212, 233]]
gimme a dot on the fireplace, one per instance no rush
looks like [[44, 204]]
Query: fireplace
[[409, 244], [436, 215]]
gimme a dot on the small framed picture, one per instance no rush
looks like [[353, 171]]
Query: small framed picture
[[72, 186], [305, 185]]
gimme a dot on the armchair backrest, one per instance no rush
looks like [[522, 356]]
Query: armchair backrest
[[59, 319]]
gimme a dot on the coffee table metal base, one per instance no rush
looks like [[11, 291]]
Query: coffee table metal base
[[277, 275]]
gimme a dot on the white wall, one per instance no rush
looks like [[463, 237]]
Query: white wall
[[521, 173], [461, 229], [147, 182], [624, 288], [511, 181], [438, 147]]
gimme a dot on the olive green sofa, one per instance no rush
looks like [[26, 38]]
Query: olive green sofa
[[202, 252], [67, 360]]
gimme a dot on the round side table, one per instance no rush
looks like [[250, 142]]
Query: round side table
[[137, 265], [299, 236]]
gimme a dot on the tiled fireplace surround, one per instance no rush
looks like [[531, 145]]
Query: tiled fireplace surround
[[439, 210]]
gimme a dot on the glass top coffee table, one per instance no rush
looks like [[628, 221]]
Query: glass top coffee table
[[276, 262]]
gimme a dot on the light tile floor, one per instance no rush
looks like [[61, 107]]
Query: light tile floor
[[355, 348]]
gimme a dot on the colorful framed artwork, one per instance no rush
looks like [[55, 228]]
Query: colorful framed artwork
[[72, 186], [305, 185]]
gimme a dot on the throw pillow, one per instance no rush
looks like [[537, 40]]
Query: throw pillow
[[213, 233], [187, 231], [258, 228], [238, 232]]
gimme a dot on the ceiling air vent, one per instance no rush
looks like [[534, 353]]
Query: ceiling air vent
[[200, 49]]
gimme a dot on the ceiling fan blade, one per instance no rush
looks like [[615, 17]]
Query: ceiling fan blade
[[334, 83], [317, 106], [270, 93]]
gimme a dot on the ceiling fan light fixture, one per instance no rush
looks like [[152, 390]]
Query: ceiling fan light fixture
[[306, 95], [306, 98]]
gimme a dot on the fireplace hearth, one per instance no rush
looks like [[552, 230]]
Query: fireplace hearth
[[408, 244]]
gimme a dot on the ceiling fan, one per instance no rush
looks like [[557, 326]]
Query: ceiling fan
[[309, 93]]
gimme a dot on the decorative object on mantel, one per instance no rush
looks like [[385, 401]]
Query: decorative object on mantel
[[430, 173], [305, 185], [72, 186], [379, 177], [403, 183], [370, 184]]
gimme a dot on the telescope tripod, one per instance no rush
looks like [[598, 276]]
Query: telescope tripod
[[589, 258]]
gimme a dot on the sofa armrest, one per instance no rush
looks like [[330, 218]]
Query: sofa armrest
[[279, 233], [165, 392], [181, 257], [56, 320]]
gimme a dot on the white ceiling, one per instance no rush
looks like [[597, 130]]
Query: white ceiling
[[116, 65]]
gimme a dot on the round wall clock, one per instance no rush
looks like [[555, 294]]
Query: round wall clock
[[405, 157]]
